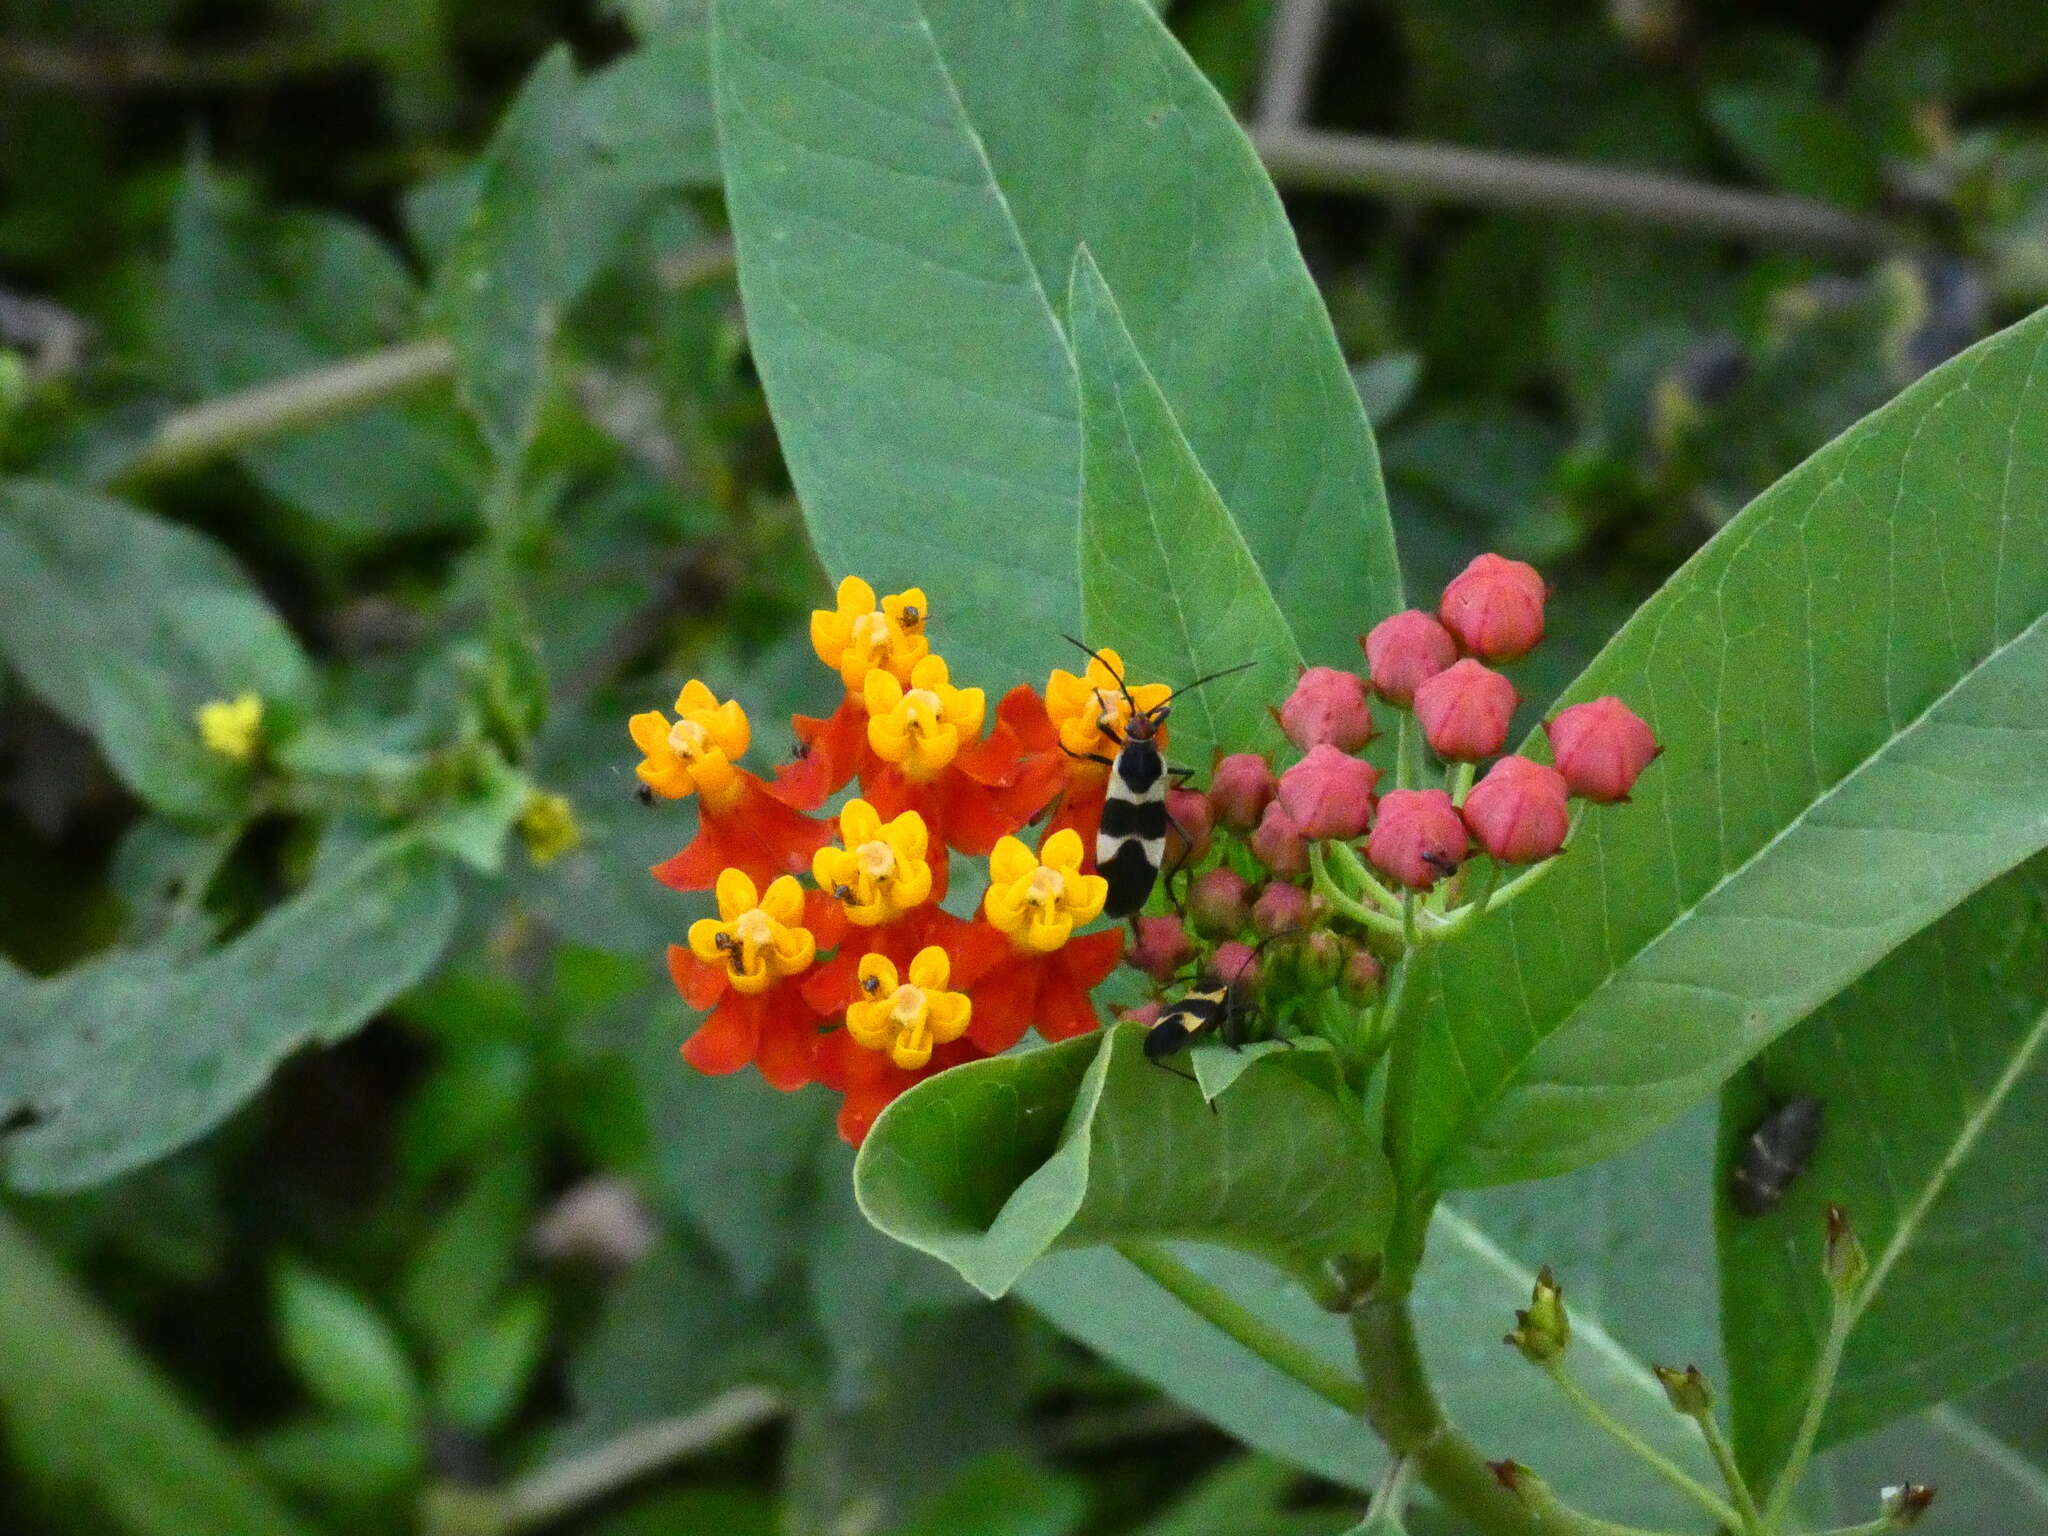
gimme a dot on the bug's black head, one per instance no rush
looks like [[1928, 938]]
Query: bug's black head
[[1165, 1038]]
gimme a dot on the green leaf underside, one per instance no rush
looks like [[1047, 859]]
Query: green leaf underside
[[1847, 683], [1166, 579], [1933, 1076], [549, 213], [1463, 1304], [124, 624], [84, 1409], [909, 182], [1216, 1066], [990, 1165], [136, 1053]]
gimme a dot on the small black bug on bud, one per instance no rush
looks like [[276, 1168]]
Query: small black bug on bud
[[1774, 1153], [643, 794]]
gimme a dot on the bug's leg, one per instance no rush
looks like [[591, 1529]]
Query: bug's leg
[[1088, 757], [1179, 776]]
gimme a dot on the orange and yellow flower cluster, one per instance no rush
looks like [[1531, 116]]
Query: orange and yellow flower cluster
[[862, 981]]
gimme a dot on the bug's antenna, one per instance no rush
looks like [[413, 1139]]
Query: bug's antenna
[[1112, 671], [1226, 672]]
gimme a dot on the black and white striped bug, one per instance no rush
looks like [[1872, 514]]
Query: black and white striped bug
[[1131, 842], [1773, 1154]]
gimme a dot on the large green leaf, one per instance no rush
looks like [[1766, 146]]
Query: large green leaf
[[1847, 682], [1165, 576], [86, 1412], [991, 1165], [909, 182], [125, 624], [1934, 1081], [135, 1053]]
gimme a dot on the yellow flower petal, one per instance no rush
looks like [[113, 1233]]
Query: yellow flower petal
[[859, 823], [784, 900], [1062, 851], [736, 894], [704, 936], [931, 969]]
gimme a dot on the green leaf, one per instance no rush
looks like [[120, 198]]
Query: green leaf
[[1464, 1300], [993, 1164], [347, 1460], [1165, 577], [459, 1262], [549, 214], [1847, 685], [1929, 49], [125, 624], [1003, 1495], [481, 1382], [137, 1052], [1987, 1483], [909, 183], [1933, 1079], [1217, 1066], [345, 1353], [651, 112], [1798, 142], [87, 1412]]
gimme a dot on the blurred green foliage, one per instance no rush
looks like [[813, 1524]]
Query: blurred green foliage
[[424, 1201]]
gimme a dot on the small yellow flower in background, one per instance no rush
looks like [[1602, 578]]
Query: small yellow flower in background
[[858, 637], [908, 1018], [1081, 706], [758, 937], [883, 871], [232, 727], [698, 751], [1039, 899], [547, 825], [921, 729]]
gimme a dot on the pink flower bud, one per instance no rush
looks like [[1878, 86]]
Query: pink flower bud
[[1279, 844], [1465, 710], [1417, 837], [1280, 908], [1601, 748], [1327, 706], [1405, 652], [1319, 957], [1189, 813], [1517, 813], [1329, 794], [1360, 979], [1146, 1014], [1236, 965], [1495, 608], [1241, 789], [1163, 947], [1219, 903]]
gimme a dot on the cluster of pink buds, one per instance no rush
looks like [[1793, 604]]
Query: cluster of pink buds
[[1321, 860]]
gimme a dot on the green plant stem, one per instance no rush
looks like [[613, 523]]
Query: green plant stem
[[1403, 1410], [1659, 1463], [187, 439], [1327, 886], [1731, 1472], [1360, 873], [1404, 728], [1818, 1392], [1421, 172], [1224, 1312], [546, 1495], [1867, 1528], [1461, 782]]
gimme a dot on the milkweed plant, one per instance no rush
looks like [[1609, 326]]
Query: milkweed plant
[[1538, 1111], [1149, 634]]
